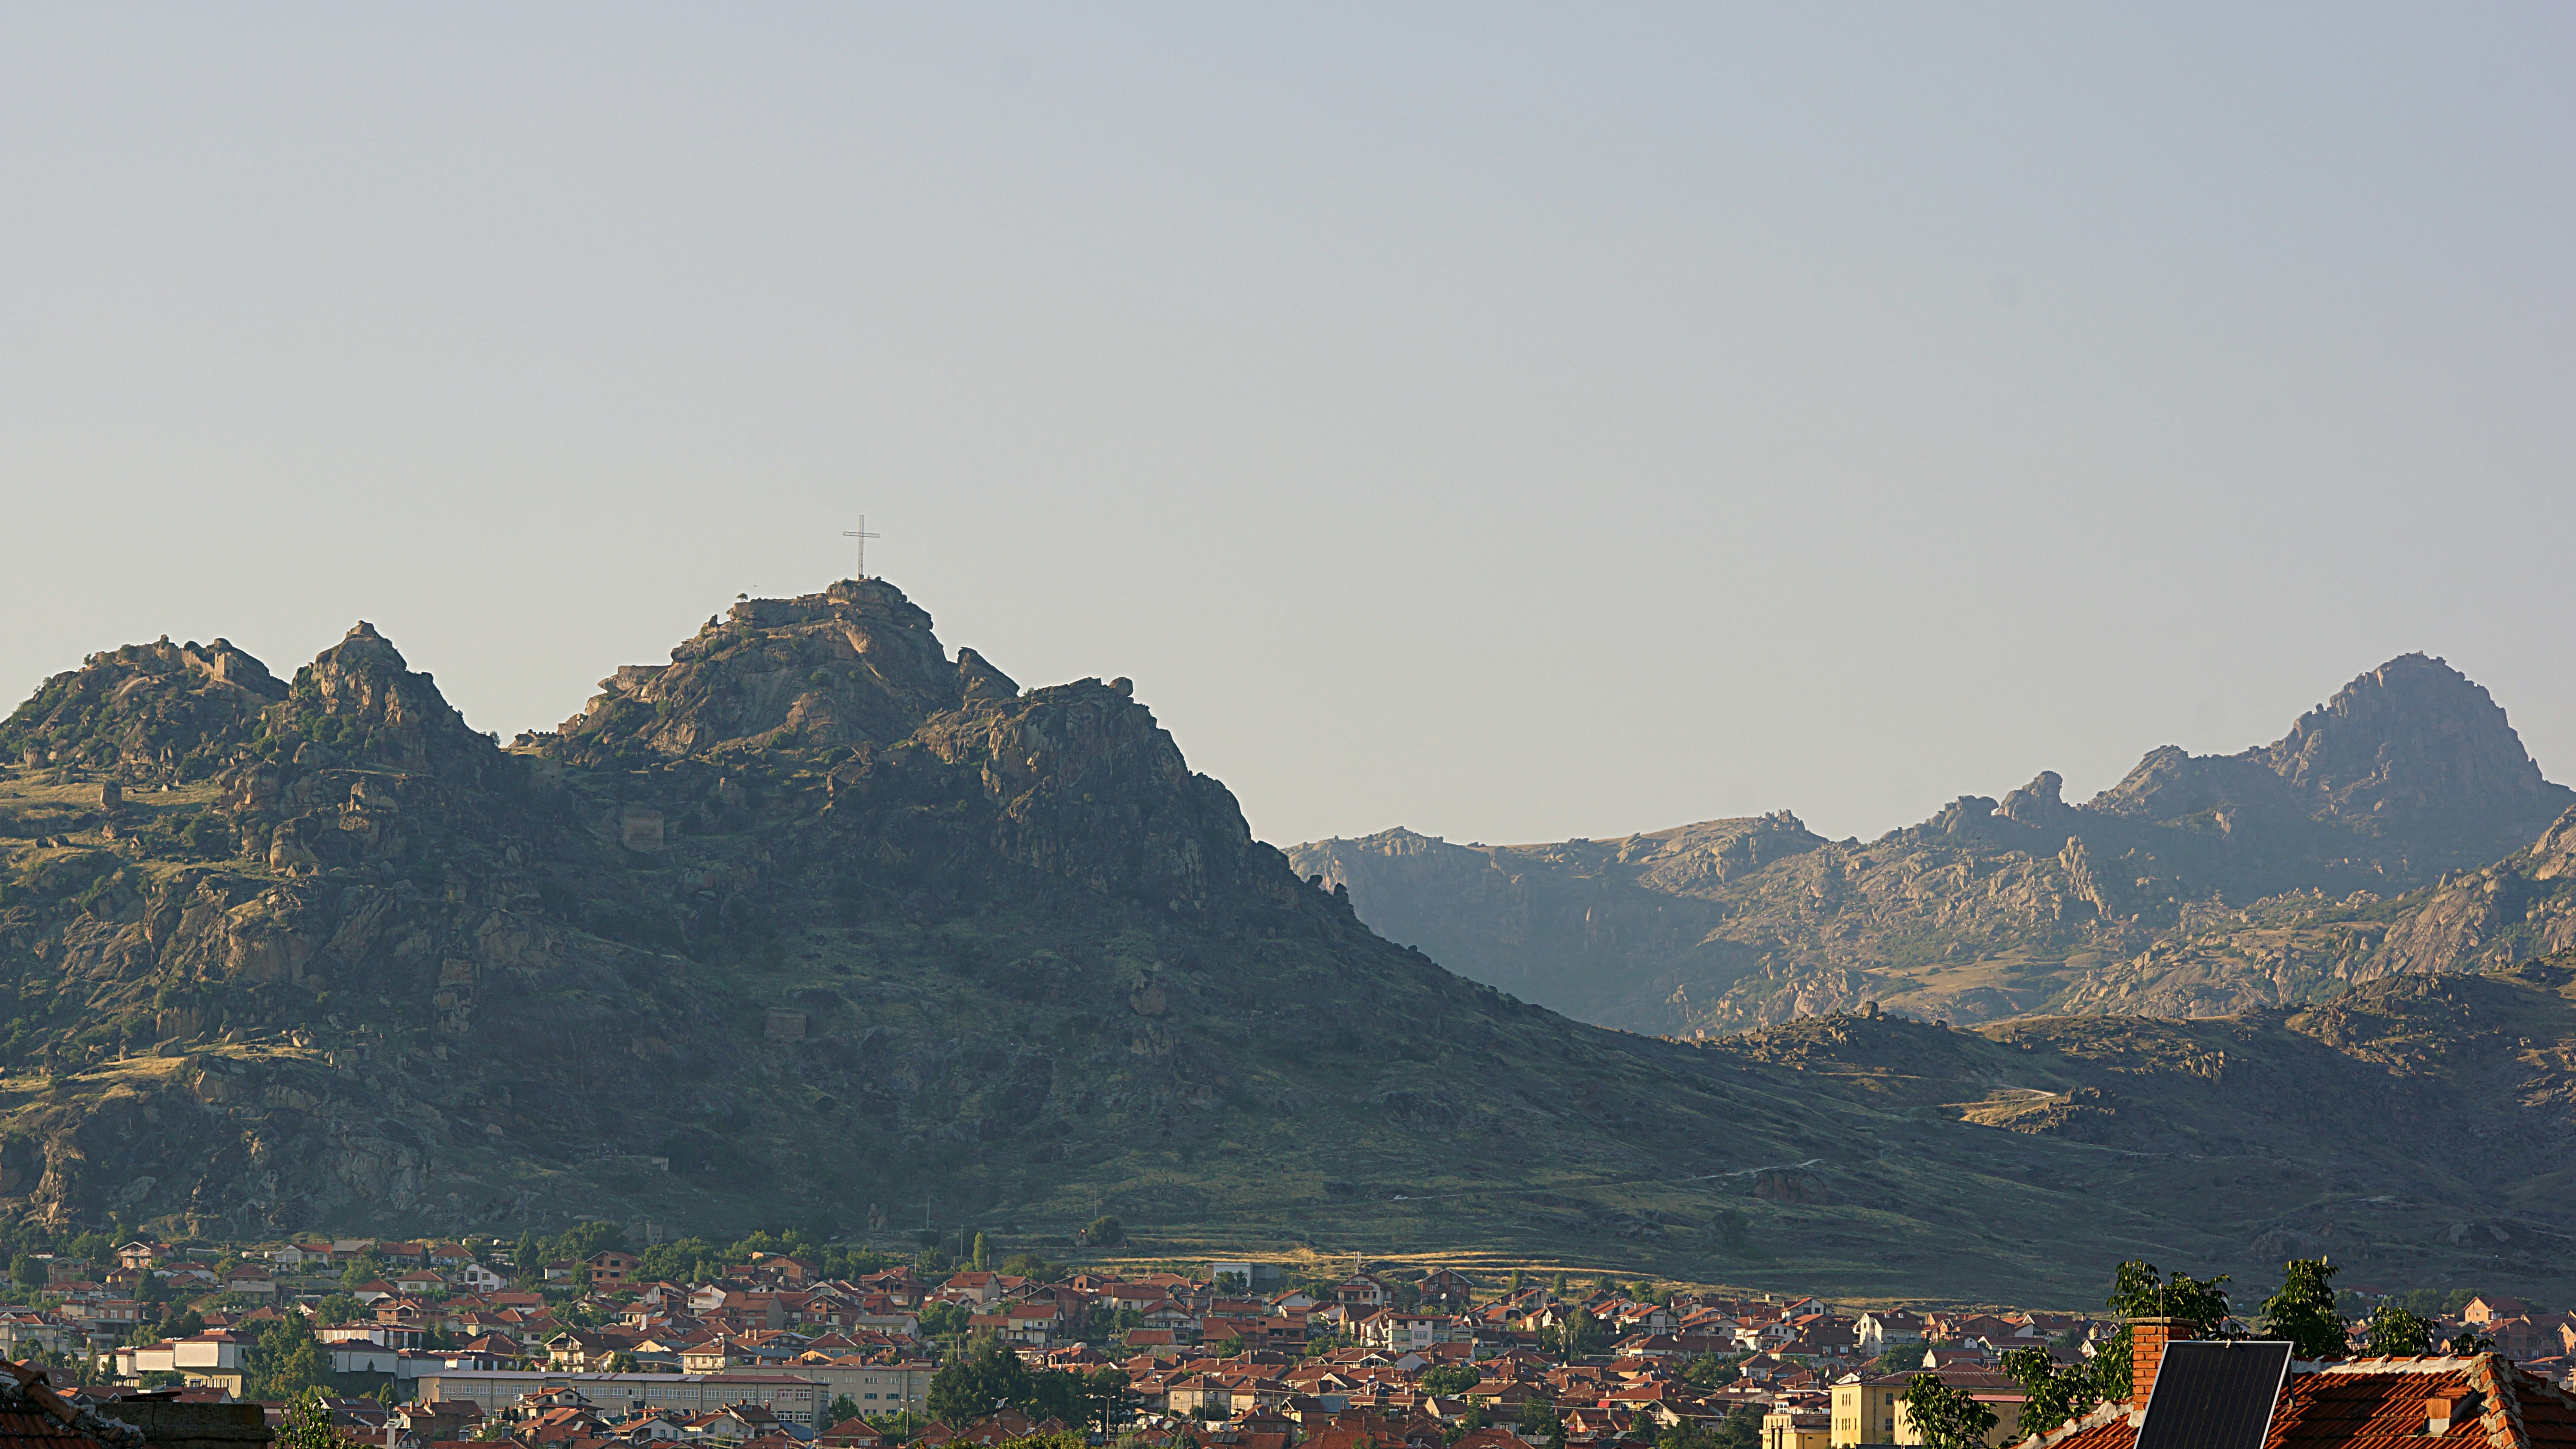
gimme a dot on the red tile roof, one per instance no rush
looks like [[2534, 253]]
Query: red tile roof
[[2381, 1403], [33, 1416]]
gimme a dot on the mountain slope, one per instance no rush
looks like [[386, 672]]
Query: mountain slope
[[815, 917], [1989, 909]]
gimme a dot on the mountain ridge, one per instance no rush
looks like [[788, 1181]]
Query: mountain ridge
[[2408, 772], [819, 925]]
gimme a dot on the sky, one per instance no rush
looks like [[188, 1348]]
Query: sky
[[1510, 422]]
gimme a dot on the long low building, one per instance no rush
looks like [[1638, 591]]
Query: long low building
[[877, 1388], [799, 1400]]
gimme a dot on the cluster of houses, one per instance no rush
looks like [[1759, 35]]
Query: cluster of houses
[[771, 1354]]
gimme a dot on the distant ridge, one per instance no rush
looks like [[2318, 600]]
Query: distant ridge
[[1991, 908]]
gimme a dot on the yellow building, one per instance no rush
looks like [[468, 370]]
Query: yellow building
[[1871, 1411], [1796, 1429], [1865, 1411]]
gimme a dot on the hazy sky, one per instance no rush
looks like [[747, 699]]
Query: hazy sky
[[1510, 422]]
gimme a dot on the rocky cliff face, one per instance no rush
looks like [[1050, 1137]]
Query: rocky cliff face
[[1996, 907]]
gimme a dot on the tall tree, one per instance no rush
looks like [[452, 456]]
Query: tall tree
[[2303, 1311], [2138, 1292], [1105, 1390]]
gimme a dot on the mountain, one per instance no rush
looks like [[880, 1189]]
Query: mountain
[[814, 924], [1990, 908], [821, 924]]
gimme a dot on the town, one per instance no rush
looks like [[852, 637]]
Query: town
[[585, 1342]]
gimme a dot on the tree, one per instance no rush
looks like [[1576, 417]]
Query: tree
[[1233, 1285], [984, 1380], [2468, 1341], [286, 1360], [1710, 1371], [1227, 1347], [844, 1409], [1032, 1266], [1103, 1232], [1518, 1279], [1741, 1429], [1580, 1333], [1056, 1394], [983, 1253], [308, 1423], [2303, 1311], [939, 1320], [2396, 1333], [363, 1269], [1449, 1380], [2137, 1292], [624, 1363], [1105, 1391], [1902, 1358], [27, 1272], [1944, 1417], [1542, 1424], [338, 1308], [2056, 1393]]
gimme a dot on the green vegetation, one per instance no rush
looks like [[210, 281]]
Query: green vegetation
[[2394, 1332], [1944, 1417], [2303, 1311], [988, 1378]]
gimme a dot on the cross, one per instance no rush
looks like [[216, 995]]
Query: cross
[[862, 535]]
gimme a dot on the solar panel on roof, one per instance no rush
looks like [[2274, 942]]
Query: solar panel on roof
[[2214, 1395]]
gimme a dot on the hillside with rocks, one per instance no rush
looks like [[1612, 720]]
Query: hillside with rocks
[[2409, 777], [815, 924], [822, 924]]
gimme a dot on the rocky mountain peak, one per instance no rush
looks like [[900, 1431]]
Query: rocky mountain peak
[[359, 701], [2414, 737], [149, 713], [855, 664]]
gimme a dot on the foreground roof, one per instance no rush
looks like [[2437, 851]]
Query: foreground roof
[[2381, 1403]]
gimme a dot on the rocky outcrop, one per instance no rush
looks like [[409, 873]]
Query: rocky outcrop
[[146, 714], [855, 664]]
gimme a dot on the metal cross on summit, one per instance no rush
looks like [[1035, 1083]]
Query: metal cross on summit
[[862, 535]]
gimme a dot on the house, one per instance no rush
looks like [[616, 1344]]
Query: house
[[473, 1277], [418, 1280], [1362, 1291], [613, 1267], [252, 1279], [1876, 1333], [2488, 1307]]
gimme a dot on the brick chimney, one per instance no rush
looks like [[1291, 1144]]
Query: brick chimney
[[2147, 1340]]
